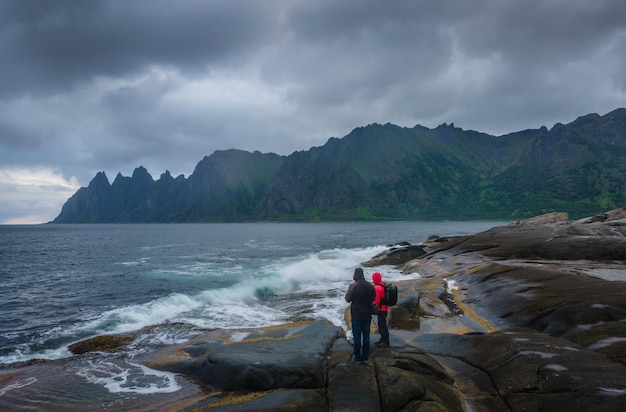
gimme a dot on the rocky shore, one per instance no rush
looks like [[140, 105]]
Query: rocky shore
[[525, 317]]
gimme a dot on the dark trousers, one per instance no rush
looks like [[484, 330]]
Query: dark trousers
[[382, 327], [361, 334]]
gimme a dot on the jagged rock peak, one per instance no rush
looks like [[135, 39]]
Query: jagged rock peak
[[142, 173], [99, 179]]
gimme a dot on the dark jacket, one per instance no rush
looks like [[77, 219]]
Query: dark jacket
[[360, 294]]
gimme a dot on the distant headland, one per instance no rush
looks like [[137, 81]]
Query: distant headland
[[382, 172]]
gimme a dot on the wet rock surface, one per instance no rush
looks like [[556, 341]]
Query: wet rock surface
[[100, 343], [396, 255], [293, 356], [520, 369], [307, 366]]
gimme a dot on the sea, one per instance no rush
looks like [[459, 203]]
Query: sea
[[165, 283]]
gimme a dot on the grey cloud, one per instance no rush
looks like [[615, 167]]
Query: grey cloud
[[549, 29], [51, 46], [346, 55]]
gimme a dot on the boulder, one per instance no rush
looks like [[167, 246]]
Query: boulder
[[415, 381], [396, 255], [558, 218], [549, 236], [572, 241], [610, 216], [100, 343], [351, 387], [307, 366], [291, 356], [399, 378]]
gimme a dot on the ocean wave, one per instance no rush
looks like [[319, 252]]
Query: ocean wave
[[272, 292]]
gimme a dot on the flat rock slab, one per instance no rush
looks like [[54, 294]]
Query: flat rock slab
[[581, 308], [398, 378], [351, 387], [570, 241], [289, 356]]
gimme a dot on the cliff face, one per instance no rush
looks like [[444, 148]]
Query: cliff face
[[570, 167], [383, 172], [226, 186]]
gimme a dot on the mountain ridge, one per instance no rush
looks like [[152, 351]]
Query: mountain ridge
[[383, 172]]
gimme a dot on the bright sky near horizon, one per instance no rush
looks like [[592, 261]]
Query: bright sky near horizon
[[110, 85]]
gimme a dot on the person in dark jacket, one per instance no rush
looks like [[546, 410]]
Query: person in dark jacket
[[377, 278], [360, 294]]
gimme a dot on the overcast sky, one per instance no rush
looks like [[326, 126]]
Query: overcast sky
[[88, 86]]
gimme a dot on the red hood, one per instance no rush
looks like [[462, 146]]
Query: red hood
[[377, 278]]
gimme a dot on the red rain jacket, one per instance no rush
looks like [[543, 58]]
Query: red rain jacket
[[377, 278]]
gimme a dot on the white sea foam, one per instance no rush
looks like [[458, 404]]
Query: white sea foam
[[24, 353], [164, 335], [325, 274], [450, 285], [137, 262], [135, 317], [234, 316], [17, 384], [238, 336], [130, 378], [328, 265]]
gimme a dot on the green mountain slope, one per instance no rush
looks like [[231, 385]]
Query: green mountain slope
[[380, 172]]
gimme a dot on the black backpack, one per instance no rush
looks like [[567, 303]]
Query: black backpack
[[391, 295]]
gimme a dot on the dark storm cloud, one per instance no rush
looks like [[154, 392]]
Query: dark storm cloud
[[552, 30], [361, 51], [517, 60], [110, 85], [52, 45]]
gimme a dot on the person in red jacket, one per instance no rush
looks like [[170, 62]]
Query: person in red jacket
[[377, 278]]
